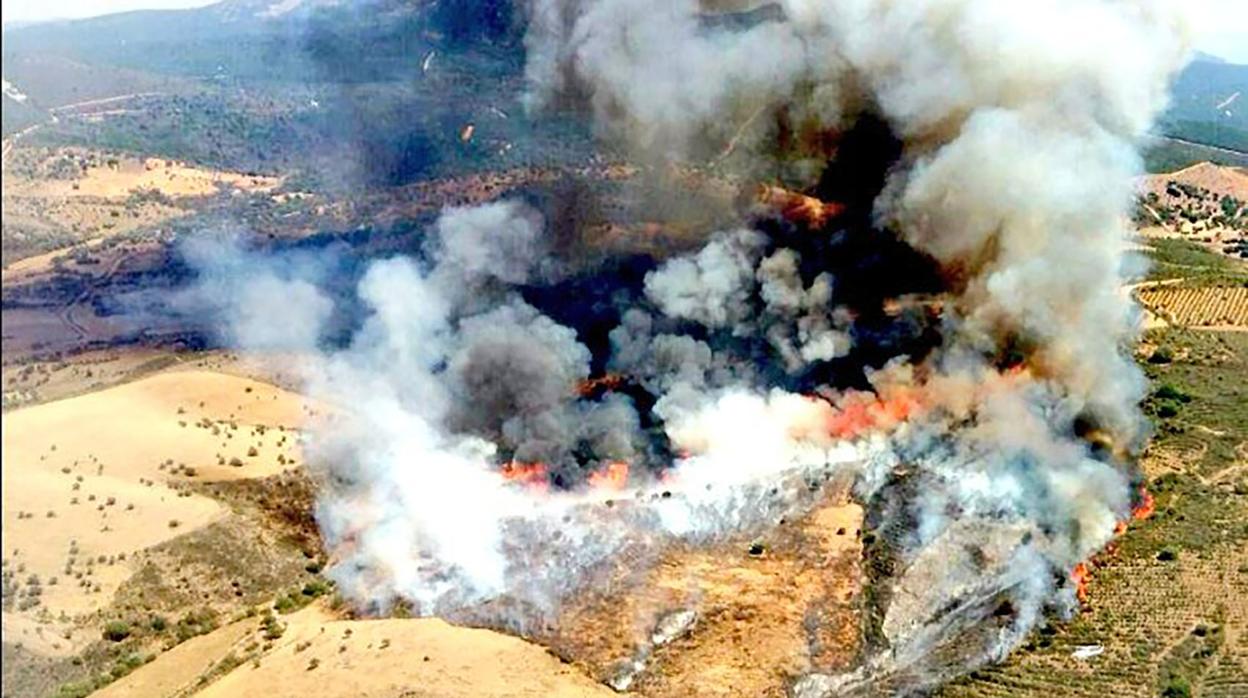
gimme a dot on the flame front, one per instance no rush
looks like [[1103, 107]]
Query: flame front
[[859, 412], [1145, 508], [614, 477], [798, 207], [1080, 576], [605, 383], [531, 475]]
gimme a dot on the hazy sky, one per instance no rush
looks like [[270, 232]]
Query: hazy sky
[[1222, 25]]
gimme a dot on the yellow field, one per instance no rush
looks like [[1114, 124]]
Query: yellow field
[[319, 654], [128, 174], [91, 481], [57, 198]]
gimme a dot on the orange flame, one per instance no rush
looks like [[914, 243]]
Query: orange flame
[[1082, 572], [1146, 507], [532, 475], [612, 477], [861, 411], [1080, 575], [799, 207], [589, 386], [1139, 512]]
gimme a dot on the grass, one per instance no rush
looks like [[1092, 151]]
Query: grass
[[1176, 258], [295, 600], [1170, 156]]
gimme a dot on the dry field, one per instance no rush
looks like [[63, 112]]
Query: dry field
[[744, 618], [1223, 181], [90, 482], [35, 381], [757, 619], [56, 198], [318, 652], [105, 176]]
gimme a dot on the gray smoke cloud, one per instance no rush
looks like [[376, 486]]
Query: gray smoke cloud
[[251, 289], [1018, 124], [993, 100]]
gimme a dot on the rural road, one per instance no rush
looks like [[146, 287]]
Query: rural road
[[92, 283], [1227, 151], [53, 118]]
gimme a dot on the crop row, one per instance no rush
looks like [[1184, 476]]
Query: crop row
[[1212, 305]]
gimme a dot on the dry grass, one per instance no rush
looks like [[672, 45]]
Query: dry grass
[[116, 177], [762, 619], [320, 654], [92, 480], [55, 198]]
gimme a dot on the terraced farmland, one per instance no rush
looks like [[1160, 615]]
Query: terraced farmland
[[1155, 619], [1202, 306]]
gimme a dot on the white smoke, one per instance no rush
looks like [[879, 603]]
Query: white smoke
[[1019, 122], [252, 289], [436, 384]]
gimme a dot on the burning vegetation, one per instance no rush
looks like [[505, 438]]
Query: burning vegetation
[[922, 310]]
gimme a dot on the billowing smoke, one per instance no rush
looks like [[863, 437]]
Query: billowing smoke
[[465, 457], [1018, 124], [950, 333]]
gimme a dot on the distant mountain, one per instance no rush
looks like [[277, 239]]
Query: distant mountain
[[16, 115], [1209, 104], [292, 44], [1203, 57], [283, 40]]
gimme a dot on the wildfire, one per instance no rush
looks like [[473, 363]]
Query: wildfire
[[1082, 572], [604, 383], [799, 207], [1139, 512], [1145, 508], [532, 475], [1080, 575], [861, 411], [612, 477]]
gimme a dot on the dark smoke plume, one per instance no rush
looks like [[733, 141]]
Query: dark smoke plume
[[947, 334]]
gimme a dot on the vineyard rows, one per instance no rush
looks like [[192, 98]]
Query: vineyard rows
[[1212, 305]]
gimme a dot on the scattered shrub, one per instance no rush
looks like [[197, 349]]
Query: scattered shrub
[[1169, 392], [116, 631], [1177, 687], [1167, 409], [273, 629]]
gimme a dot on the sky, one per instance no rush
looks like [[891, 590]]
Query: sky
[[1221, 28], [1221, 25]]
